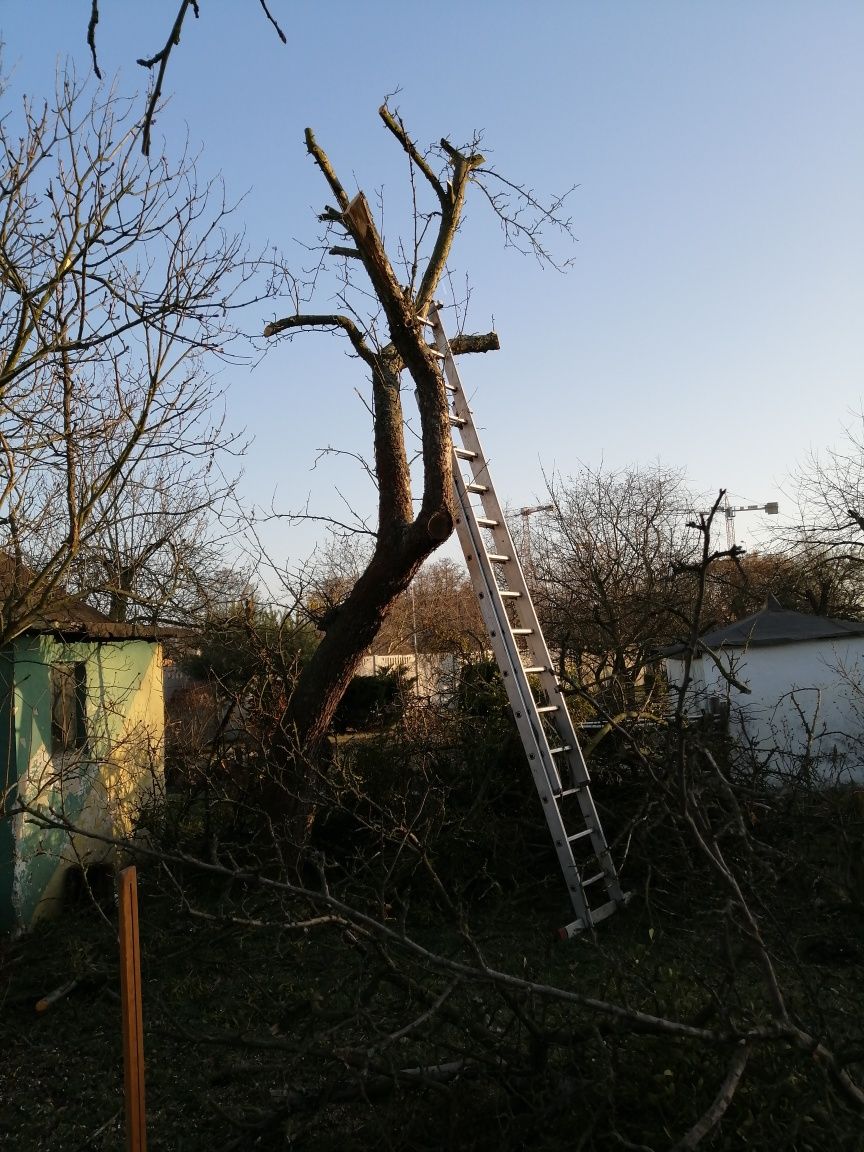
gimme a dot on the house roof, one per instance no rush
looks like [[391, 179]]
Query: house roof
[[775, 624], [80, 621], [68, 616]]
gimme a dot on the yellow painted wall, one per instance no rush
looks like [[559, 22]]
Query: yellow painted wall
[[100, 789]]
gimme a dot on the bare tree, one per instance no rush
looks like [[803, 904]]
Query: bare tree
[[801, 576], [439, 613], [604, 561], [160, 548], [407, 530], [830, 488], [829, 535], [116, 279]]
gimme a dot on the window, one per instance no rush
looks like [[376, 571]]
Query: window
[[68, 707]]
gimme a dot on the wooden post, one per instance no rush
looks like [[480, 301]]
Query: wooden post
[[130, 996]]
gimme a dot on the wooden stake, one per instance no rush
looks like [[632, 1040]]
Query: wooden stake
[[130, 996]]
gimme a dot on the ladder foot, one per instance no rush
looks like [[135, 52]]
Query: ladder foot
[[577, 927]]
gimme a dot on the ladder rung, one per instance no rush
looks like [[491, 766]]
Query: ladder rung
[[597, 914], [559, 772], [571, 930], [429, 323], [604, 911]]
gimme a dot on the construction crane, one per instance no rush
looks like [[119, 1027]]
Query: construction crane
[[730, 512]]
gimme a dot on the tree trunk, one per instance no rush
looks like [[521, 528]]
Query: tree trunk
[[350, 630], [403, 540]]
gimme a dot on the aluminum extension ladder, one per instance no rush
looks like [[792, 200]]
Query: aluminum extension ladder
[[545, 727]]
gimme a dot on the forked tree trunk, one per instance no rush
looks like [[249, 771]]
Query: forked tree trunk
[[403, 539]]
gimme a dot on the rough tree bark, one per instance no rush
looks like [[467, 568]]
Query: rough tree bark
[[403, 539]]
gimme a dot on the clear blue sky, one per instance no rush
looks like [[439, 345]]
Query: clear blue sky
[[713, 317]]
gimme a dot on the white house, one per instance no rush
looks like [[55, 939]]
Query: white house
[[791, 686]]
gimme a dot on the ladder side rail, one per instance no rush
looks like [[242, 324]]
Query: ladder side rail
[[524, 606], [503, 645], [492, 509], [534, 738], [520, 694], [516, 582], [521, 704]]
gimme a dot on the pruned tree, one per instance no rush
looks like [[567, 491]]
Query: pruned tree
[[117, 278], [407, 530]]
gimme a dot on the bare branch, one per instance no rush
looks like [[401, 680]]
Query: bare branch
[[712, 1117], [524, 216], [395, 125], [272, 20], [161, 58], [91, 36], [322, 160], [451, 213], [329, 321]]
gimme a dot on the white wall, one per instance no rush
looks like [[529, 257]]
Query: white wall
[[805, 709], [434, 675]]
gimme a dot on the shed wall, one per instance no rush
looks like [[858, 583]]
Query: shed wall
[[9, 781], [98, 789]]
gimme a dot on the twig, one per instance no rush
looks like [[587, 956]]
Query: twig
[[161, 58], [91, 36], [45, 1003], [88, 1141], [272, 20], [723, 1099], [412, 1025]]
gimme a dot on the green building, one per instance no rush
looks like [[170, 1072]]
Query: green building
[[81, 749]]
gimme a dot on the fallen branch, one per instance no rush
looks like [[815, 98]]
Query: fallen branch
[[712, 1117]]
